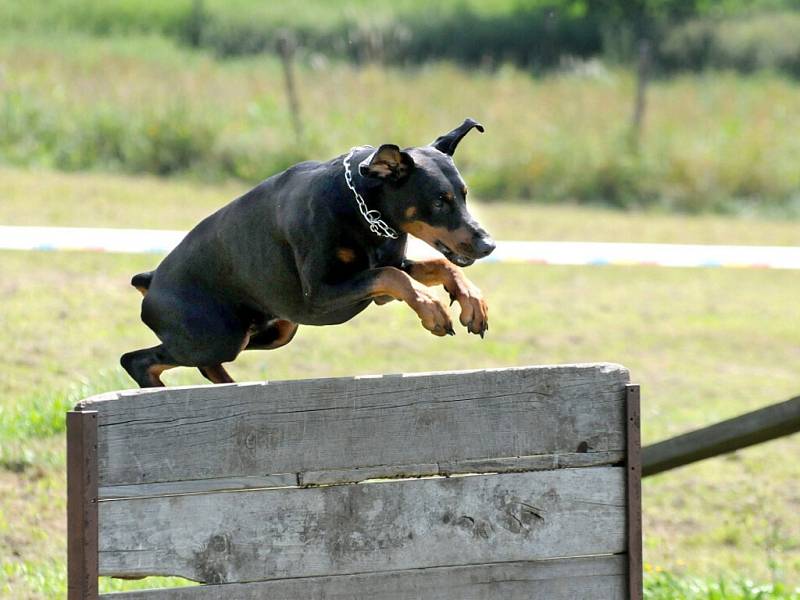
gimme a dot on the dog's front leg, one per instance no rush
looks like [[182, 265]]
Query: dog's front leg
[[474, 311], [321, 297]]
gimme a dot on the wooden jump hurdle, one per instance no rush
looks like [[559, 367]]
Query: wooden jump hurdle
[[508, 483]]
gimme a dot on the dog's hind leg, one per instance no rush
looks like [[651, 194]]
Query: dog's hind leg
[[216, 374], [277, 333], [145, 366]]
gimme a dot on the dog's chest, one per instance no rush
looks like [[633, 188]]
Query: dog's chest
[[350, 258]]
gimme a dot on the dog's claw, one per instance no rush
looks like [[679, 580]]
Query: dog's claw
[[452, 299], [450, 331], [482, 333]]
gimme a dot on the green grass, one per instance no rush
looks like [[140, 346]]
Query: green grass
[[665, 586], [124, 16], [704, 344], [721, 143]]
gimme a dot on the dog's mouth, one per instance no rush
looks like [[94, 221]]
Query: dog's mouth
[[457, 259]]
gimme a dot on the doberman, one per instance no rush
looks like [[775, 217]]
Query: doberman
[[314, 245]]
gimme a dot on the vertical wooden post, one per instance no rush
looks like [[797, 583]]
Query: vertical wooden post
[[633, 466], [286, 52], [640, 104], [82, 531]]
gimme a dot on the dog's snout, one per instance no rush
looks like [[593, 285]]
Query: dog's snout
[[484, 245], [480, 243]]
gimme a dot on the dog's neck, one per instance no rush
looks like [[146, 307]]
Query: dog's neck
[[367, 197]]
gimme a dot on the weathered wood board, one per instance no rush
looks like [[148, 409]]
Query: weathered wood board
[[172, 488], [345, 529], [345, 424], [590, 578]]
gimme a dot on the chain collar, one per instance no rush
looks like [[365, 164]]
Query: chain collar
[[373, 218]]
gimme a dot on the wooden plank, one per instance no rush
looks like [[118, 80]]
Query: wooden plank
[[198, 486], [487, 465], [589, 578], [633, 466], [82, 527], [335, 530], [233, 431], [745, 430], [334, 476], [534, 463]]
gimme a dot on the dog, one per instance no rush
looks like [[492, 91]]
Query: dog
[[314, 245]]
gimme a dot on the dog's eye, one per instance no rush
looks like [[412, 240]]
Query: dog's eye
[[438, 204]]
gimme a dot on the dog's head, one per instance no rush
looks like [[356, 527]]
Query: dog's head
[[424, 195]]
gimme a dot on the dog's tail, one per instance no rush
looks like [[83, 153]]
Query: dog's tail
[[142, 282]]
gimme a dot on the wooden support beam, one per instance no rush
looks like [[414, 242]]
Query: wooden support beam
[[82, 525], [633, 468], [745, 430]]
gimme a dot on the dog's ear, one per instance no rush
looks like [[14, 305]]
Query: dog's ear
[[387, 162], [448, 142]]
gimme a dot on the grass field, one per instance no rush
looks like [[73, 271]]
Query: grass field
[[704, 344], [93, 93]]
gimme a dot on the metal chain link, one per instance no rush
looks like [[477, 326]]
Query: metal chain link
[[373, 218]]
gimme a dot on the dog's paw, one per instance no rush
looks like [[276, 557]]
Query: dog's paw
[[432, 313], [474, 310]]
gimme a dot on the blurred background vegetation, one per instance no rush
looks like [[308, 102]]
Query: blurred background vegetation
[[149, 113], [195, 86]]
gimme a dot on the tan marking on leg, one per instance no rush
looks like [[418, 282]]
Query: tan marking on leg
[[346, 255], [216, 374], [394, 283], [397, 284], [286, 331], [155, 371], [411, 212], [246, 339], [474, 310], [437, 271]]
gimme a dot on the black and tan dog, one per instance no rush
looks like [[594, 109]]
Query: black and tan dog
[[314, 245]]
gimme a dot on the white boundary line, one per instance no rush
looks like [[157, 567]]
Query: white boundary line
[[156, 241]]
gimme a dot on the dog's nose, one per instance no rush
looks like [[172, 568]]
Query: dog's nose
[[484, 246]]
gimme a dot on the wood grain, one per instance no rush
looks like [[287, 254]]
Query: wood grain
[[592, 578], [345, 424], [172, 488], [345, 529], [516, 464]]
